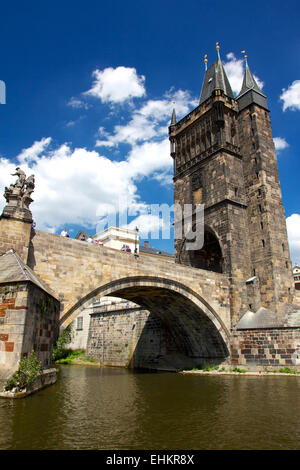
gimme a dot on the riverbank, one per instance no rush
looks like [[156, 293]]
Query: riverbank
[[284, 371], [76, 357]]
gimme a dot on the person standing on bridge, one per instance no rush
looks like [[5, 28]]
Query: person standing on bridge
[[64, 233]]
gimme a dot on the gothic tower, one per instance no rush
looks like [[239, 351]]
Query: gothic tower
[[224, 158]]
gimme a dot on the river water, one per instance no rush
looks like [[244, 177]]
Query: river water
[[93, 408]]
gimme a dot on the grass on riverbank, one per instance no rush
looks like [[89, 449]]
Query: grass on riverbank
[[70, 356], [216, 369]]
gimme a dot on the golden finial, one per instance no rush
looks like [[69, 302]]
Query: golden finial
[[205, 61], [244, 52], [218, 49]]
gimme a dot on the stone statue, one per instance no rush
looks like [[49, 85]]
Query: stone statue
[[29, 183], [8, 192], [18, 195], [21, 178]]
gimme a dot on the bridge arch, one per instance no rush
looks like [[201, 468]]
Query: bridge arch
[[195, 325]]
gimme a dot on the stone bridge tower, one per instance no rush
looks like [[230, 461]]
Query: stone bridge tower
[[224, 158]]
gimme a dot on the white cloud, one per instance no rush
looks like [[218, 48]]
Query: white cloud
[[77, 186], [280, 143], [149, 121], [33, 152], [293, 228], [77, 103], [117, 85], [235, 72], [291, 96]]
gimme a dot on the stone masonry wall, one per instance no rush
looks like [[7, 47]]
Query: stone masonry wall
[[266, 347], [15, 234], [28, 321], [267, 233], [131, 338], [41, 326], [13, 309]]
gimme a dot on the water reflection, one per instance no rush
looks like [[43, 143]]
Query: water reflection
[[93, 408]]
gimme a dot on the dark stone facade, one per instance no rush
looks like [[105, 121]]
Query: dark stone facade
[[224, 158]]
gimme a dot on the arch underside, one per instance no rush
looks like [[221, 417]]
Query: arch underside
[[193, 330]]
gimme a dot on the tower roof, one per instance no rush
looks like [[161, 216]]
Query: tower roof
[[249, 82], [173, 119], [215, 79], [250, 92]]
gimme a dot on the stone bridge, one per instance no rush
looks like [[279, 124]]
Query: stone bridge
[[193, 302]]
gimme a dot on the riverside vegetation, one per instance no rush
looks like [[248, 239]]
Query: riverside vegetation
[[216, 368], [28, 370], [64, 355]]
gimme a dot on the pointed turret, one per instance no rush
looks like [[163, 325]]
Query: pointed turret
[[173, 119], [250, 91], [215, 79]]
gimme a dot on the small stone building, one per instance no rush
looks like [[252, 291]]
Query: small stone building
[[81, 325], [29, 315], [296, 274]]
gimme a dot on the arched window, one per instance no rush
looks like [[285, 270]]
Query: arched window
[[210, 256]]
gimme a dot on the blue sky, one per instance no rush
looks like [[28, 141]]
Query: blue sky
[[89, 91]]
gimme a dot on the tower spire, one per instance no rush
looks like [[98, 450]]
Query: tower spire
[[205, 61], [249, 82], [173, 119], [218, 50], [215, 79]]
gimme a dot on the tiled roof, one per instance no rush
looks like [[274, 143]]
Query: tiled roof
[[155, 251]]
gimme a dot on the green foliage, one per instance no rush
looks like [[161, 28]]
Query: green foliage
[[237, 369], [287, 370], [210, 368], [28, 370], [60, 351], [71, 355]]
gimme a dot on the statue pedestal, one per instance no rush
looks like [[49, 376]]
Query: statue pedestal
[[19, 213]]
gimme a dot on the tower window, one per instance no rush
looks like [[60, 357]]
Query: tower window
[[262, 225], [257, 175], [263, 243], [259, 208], [286, 264], [283, 247], [236, 192], [259, 192]]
